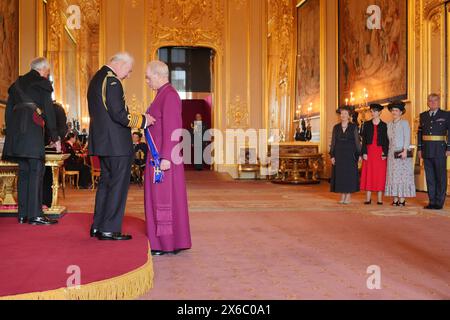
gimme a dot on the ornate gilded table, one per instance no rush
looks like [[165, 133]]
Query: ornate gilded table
[[8, 184], [299, 163]]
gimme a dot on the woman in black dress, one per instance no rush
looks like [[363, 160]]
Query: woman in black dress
[[345, 155]]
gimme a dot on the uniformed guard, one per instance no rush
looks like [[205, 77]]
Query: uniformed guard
[[29, 111], [434, 148], [110, 140]]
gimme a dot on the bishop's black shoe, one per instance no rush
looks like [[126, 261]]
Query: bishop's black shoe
[[429, 207], [42, 221], [438, 207], [158, 253], [23, 220], [117, 236]]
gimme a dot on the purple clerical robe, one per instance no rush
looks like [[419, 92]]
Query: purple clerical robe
[[166, 207]]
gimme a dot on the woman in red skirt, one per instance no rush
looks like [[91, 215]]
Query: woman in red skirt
[[375, 148]]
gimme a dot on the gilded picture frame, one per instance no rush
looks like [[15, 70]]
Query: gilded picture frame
[[9, 45], [307, 86], [372, 63]]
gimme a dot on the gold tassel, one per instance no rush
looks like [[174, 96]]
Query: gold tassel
[[125, 287]]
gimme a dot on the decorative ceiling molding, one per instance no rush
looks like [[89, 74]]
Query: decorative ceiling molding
[[187, 22]]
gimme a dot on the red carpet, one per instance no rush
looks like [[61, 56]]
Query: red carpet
[[36, 258]]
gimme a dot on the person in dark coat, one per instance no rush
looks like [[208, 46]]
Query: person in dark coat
[[110, 140], [139, 147], [29, 110], [62, 129], [345, 153], [434, 148], [140, 158], [375, 149], [198, 130]]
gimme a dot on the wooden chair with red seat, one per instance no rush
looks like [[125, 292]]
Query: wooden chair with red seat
[[95, 170]]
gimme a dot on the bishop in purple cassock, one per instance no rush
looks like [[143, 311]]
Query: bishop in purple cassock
[[166, 207]]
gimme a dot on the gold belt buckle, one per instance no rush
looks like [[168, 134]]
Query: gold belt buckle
[[434, 138]]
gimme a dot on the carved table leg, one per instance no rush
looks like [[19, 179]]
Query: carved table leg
[[55, 187], [9, 191]]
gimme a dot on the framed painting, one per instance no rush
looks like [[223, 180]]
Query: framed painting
[[373, 51], [9, 45]]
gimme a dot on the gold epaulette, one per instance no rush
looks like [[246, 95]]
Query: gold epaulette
[[135, 120], [110, 74]]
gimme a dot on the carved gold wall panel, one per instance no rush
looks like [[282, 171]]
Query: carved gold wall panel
[[280, 62], [186, 22], [87, 49], [238, 115]]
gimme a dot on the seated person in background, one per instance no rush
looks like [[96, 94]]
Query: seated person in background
[[75, 163], [83, 137], [77, 147], [140, 157]]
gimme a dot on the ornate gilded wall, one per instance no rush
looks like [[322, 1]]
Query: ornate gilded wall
[[86, 41], [280, 64], [235, 29], [254, 42]]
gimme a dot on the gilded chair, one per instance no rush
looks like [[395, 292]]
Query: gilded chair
[[247, 164], [95, 170], [74, 178]]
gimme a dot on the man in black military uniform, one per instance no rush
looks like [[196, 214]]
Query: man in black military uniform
[[434, 148], [29, 110], [110, 140]]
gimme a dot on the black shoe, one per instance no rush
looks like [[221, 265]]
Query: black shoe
[[23, 220], [178, 251], [395, 203], [402, 204], [158, 253], [437, 207], [368, 202], [380, 203], [94, 232], [117, 236], [41, 221], [430, 207]]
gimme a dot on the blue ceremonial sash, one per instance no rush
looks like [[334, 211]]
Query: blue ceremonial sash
[[158, 174]]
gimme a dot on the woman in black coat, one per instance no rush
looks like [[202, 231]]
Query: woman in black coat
[[345, 154]]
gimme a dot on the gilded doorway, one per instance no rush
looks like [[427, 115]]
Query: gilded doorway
[[192, 75]]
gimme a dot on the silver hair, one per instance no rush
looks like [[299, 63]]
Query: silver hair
[[434, 96], [40, 63], [122, 57], [159, 68]]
